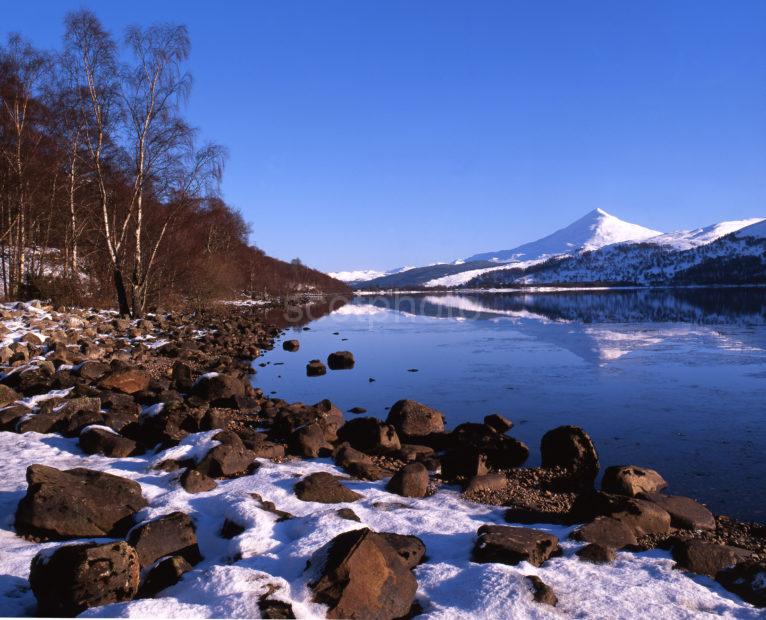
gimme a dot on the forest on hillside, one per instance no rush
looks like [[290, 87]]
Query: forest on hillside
[[107, 197]]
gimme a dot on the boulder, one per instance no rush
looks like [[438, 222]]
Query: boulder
[[369, 435], [76, 502], [194, 481], [502, 452], [410, 548], [608, 532], [8, 395], [746, 579], [290, 419], [410, 481], [171, 534], [324, 488], [291, 345], [218, 389], [644, 518], [684, 512], [572, 449], [72, 578], [499, 422], [466, 462], [487, 483], [125, 380], [706, 558], [596, 554], [101, 440], [413, 419], [541, 591], [309, 442], [315, 368], [511, 545], [226, 461], [362, 576], [181, 376], [165, 573], [341, 360], [631, 480], [92, 370]]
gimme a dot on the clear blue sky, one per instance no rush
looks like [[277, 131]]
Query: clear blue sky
[[378, 133]]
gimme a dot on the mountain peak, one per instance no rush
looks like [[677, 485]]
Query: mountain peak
[[594, 230]]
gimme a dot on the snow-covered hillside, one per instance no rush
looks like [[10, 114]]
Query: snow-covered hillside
[[365, 275], [688, 239], [595, 230]]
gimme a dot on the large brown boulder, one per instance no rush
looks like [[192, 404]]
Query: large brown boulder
[[219, 389], [501, 451], [413, 419], [229, 459], [324, 488], [362, 576], [171, 534], [98, 440], [707, 558], [8, 395], [340, 360], [125, 380], [572, 449], [631, 480], [608, 532], [72, 578], [510, 545], [76, 502], [684, 512]]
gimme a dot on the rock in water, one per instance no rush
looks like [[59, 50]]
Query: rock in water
[[410, 481], [315, 368], [291, 345], [76, 502], [364, 577], [631, 480], [511, 545], [413, 419], [340, 360], [571, 448], [171, 534], [72, 578], [324, 488]]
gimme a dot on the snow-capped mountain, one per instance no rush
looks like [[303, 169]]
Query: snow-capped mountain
[[595, 230], [364, 275], [688, 239]]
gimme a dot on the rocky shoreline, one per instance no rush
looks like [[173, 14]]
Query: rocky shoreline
[[173, 393]]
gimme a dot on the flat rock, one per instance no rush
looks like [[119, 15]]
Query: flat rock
[[511, 545], [596, 554], [126, 381], [707, 558], [324, 488], [684, 512], [76, 502], [608, 532]]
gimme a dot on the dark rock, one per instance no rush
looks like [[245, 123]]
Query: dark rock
[[684, 512], [608, 532], [571, 448], [597, 554], [315, 368], [369, 435], [410, 548], [707, 558], [410, 481], [499, 422], [367, 471], [165, 573], [362, 576], [464, 462], [73, 578], [324, 413], [171, 534], [194, 481], [340, 360], [413, 419], [746, 579], [511, 545], [348, 514], [8, 395], [631, 480], [291, 345], [541, 591], [125, 380], [76, 502], [270, 507], [274, 609], [502, 452], [357, 410], [92, 370], [94, 440], [218, 389], [309, 442], [324, 488], [226, 461], [345, 455], [182, 377], [230, 529]]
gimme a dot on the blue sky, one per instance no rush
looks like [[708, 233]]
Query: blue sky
[[381, 133]]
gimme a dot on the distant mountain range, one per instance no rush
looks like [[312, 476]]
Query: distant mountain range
[[598, 249]]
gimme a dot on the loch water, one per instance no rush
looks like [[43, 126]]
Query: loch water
[[673, 379]]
